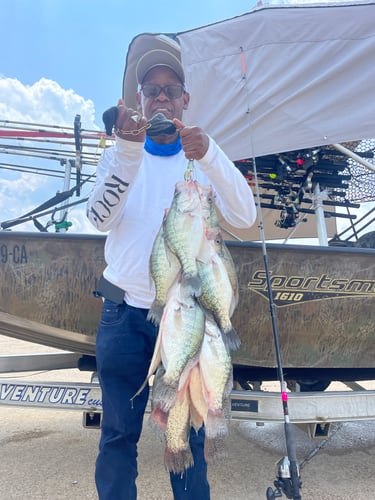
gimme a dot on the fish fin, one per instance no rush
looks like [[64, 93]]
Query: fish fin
[[196, 420], [155, 313], [231, 339], [141, 388], [155, 363], [198, 403], [191, 285], [186, 373], [178, 461], [158, 421], [234, 303], [164, 395]]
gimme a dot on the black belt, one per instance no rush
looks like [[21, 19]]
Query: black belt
[[109, 291]]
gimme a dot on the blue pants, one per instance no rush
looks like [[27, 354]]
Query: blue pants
[[124, 347]]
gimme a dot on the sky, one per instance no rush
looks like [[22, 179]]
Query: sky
[[81, 44], [66, 57]]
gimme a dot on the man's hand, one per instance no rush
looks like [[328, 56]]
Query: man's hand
[[194, 140], [130, 124]]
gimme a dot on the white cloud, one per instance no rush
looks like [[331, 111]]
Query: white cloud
[[43, 102], [47, 103], [17, 190]]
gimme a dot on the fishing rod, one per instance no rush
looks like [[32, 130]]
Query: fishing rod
[[45, 153], [46, 140], [288, 478], [37, 148], [58, 150], [35, 135], [45, 126], [13, 123], [64, 155], [14, 167]]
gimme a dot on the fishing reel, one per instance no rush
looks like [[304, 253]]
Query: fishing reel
[[283, 483], [288, 218]]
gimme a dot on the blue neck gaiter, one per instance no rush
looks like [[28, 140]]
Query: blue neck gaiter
[[162, 149]]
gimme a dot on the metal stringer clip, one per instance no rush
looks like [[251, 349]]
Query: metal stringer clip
[[189, 172]]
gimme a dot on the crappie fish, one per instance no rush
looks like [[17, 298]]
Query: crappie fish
[[164, 270], [174, 424], [181, 331], [184, 231], [217, 382], [215, 367], [213, 234], [215, 237], [217, 293], [177, 455]]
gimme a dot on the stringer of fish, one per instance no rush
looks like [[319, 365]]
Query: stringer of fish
[[196, 294]]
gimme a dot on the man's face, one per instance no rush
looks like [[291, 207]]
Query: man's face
[[171, 108]]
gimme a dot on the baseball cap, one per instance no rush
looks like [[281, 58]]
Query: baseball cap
[[146, 51], [158, 57]]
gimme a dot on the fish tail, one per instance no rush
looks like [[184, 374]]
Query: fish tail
[[216, 432], [231, 339], [191, 284], [215, 448], [216, 424], [178, 461], [155, 313]]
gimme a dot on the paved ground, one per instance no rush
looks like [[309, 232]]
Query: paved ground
[[48, 455]]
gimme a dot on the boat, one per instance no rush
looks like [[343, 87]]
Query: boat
[[324, 299], [288, 93], [292, 109]]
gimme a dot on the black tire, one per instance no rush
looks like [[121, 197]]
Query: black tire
[[307, 385]]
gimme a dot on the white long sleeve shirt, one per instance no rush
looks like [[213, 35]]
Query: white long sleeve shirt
[[132, 190]]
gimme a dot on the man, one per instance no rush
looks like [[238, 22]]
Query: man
[[135, 184]]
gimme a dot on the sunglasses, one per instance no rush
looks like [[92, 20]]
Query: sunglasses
[[171, 91]]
